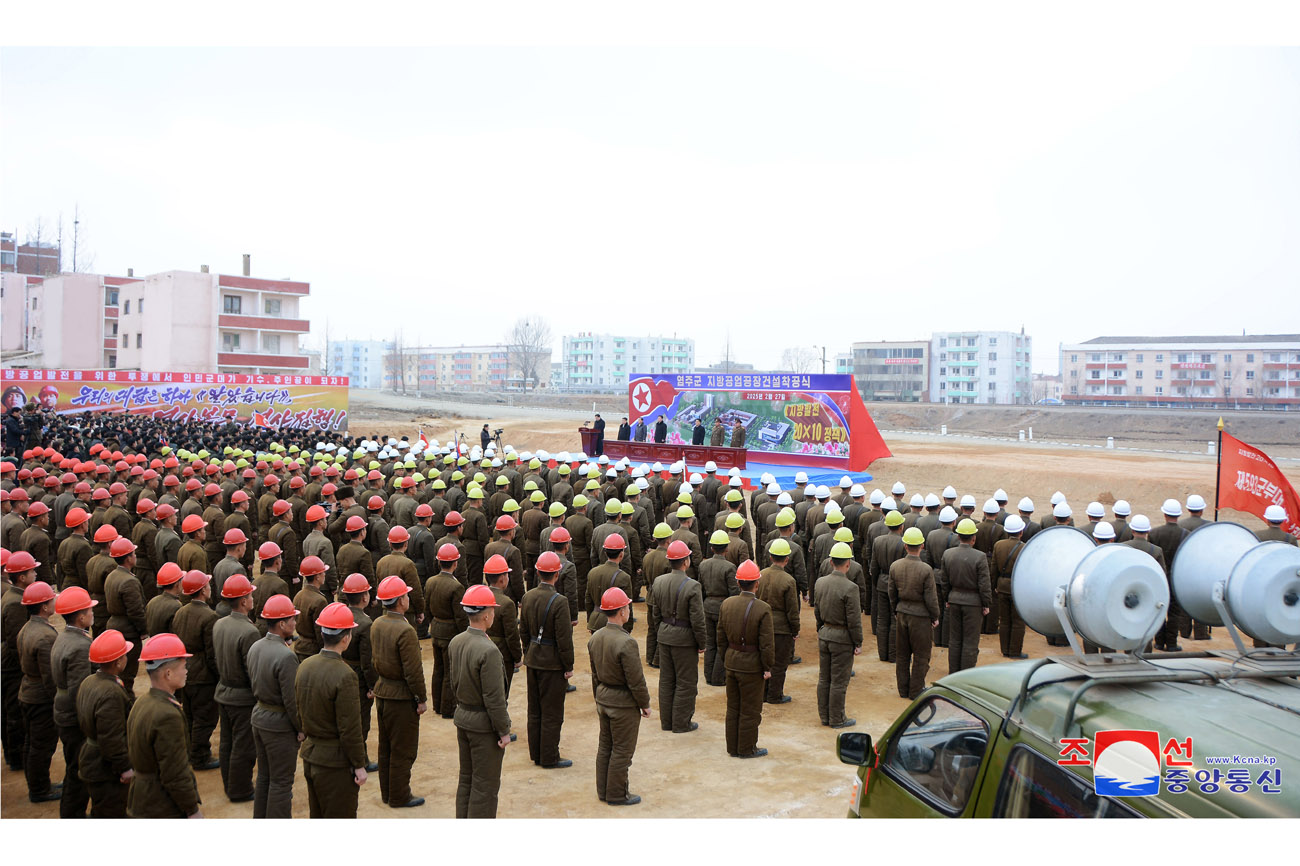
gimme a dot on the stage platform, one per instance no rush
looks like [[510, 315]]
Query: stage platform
[[785, 475]]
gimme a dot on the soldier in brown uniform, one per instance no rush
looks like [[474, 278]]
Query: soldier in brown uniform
[[442, 595], [232, 637], [161, 609], [604, 577], [359, 654], [653, 564], [988, 532], [482, 722], [167, 543], [194, 623], [216, 519], [125, 602], [504, 630], [75, 551], [354, 558], [272, 668], [102, 707], [37, 690], [717, 583], [191, 556], [545, 623], [531, 523], [36, 541], [231, 564], [745, 634], [1011, 628], [966, 571], [316, 543], [281, 532], [20, 570], [311, 601], [400, 693], [677, 617], [325, 688], [914, 599], [503, 545], [396, 562], [238, 519], [69, 667], [145, 538], [887, 549], [474, 535], [164, 785], [580, 530], [97, 571], [265, 502], [622, 699], [1169, 537], [1274, 519], [777, 588], [838, 612]]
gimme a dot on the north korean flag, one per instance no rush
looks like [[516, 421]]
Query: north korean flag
[[647, 397]]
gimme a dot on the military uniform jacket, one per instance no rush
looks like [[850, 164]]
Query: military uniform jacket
[[360, 655], [191, 557], [396, 653], [101, 710], [36, 541], [193, 624], [545, 624], [1005, 554], [936, 543], [478, 680], [717, 583], [745, 634], [12, 526], [121, 522], [232, 637], [677, 610], [159, 613], [282, 534], [912, 588], [654, 564], [400, 564], [35, 643], [272, 671], [216, 520], [1149, 549], [75, 553], [1272, 533], [158, 746], [311, 601], [838, 610], [530, 525], [1168, 537], [317, 544], [265, 519], [475, 534], [617, 678], [353, 558], [239, 520], [377, 537], [13, 616], [442, 595], [423, 549], [886, 550], [69, 667], [504, 630], [600, 579], [329, 708], [166, 546], [693, 542], [966, 571], [225, 568], [777, 588], [144, 536], [515, 583]]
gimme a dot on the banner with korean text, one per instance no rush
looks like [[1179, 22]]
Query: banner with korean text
[[799, 419], [1250, 481], [288, 402]]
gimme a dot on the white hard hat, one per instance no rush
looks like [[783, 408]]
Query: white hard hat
[[809, 491], [528, 455], [638, 472], [697, 478], [889, 504], [392, 441], [968, 501], [733, 472], [1122, 508], [735, 481], [686, 488], [773, 489], [823, 492], [372, 447], [784, 499], [611, 472], [563, 457], [1140, 523], [1014, 524], [801, 477], [1275, 514], [990, 506], [543, 455], [1058, 497], [1062, 509], [496, 464], [577, 458], [1026, 505], [947, 515], [1171, 508], [645, 468], [404, 444], [1103, 530], [1195, 503], [857, 490], [710, 466], [877, 496], [845, 482], [320, 446], [949, 492], [932, 500], [766, 478], [898, 489], [603, 461], [1095, 509], [658, 467], [917, 501], [677, 468], [832, 507], [642, 483], [1000, 495]]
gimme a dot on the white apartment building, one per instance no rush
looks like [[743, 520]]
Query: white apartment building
[[604, 361], [362, 361], [980, 367]]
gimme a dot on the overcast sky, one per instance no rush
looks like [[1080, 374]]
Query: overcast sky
[[788, 197]]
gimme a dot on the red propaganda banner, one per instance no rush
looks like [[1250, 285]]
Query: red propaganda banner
[[1249, 481]]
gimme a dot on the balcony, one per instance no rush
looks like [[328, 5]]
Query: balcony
[[264, 323], [251, 284], [1193, 365], [961, 379], [1280, 365], [1106, 365], [260, 359], [110, 312], [956, 363]]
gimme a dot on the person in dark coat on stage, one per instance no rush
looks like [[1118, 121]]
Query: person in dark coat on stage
[[697, 433], [661, 430], [638, 430], [598, 441], [625, 431]]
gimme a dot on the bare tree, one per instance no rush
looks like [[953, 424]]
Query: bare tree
[[799, 359], [82, 259], [528, 346], [726, 354], [395, 364], [38, 234]]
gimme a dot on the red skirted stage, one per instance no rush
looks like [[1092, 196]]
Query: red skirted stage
[[654, 452]]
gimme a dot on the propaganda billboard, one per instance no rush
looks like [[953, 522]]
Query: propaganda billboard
[[279, 402], [800, 419]]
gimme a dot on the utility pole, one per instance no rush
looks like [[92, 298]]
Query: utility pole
[[76, 221]]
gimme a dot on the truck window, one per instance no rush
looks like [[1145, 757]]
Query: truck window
[[937, 754], [1034, 787]]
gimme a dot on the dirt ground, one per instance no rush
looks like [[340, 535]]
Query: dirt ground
[[690, 775]]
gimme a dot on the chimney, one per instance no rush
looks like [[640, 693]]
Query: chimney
[[203, 269], [130, 272], [248, 265]]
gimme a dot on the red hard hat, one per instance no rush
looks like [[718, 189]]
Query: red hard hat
[[280, 508], [277, 464], [193, 484], [171, 481], [748, 570], [338, 615], [375, 503], [332, 471], [315, 513], [228, 466], [121, 547], [73, 599], [37, 592], [144, 505], [164, 511], [496, 564], [163, 646], [448, 553], [453, 518], [315, 471], [106, 533], [236, 586], [193, 523], [328, 490], [392, 587], [505, 523], [81, 487], [312, 566], [116, 488], [350, 475], [678, 550], [560, 535], [234, 536], [269, 480], [102, 469], [109, 646], [478, 595], [268, 550], [193, 581], [423, 510], [171, 463], [68, 478], [39, 472], [614, 541], [211, 490], [279, 607], [248, 472], [296, 482], [407, 482], [137, 471], [374, 475], [24, 474], [100, 493], [52, 481], [355, 523], [238, 496], [4, 557], [168, 574], [355, 583], [398, 535], [212, 469], [121, 465], [614, 598], [549, 562], [36, 509]]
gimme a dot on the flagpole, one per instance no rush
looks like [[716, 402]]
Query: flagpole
[[1218, 469]]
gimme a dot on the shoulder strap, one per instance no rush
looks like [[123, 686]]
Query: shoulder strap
[[744, 623], [541, 625]]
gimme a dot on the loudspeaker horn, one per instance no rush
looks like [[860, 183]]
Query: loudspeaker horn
[[1045, 566], [1118, 597], [1205, 558], [1263, 595]]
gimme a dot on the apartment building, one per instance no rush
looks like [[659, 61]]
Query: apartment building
[[362, 361], [604, 361], [980, 367], [896, 370]]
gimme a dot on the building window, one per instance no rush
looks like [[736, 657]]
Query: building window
[[970, 341], [993, 341], [273, 306], [993, 371], [1227, 374], [993, 386], [1250, 374], [1250, 392], [1137, 374], [993, 356], [1227, 392], [1206, 358], [943, 342], [1096, 374], [139, 306], [112, 361], [1117, 374], [115, 329], [271, 343], [230, 342], [1227, 359], [1138, 390], [1094, 358], [1160, 374], [1160, 359], [232, 304], [139, 338], [1250, 357], [125, 340], [1160, 390], [110, 297], [1139, 357], [1074, 389], [1074, 374], [126, 309], [1117, 358]]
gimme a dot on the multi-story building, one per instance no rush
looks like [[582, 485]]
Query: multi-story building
[[724, 367], [37, 259], [1260, 371], [362, 361], [63, 322], [844, 363], [604, 361], [892, 370], [980, 367], [458, 368]]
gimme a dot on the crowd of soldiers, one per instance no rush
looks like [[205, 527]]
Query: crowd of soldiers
[[280, 593]]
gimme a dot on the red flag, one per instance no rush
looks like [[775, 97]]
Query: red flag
[[259, 420], [1249, 481]]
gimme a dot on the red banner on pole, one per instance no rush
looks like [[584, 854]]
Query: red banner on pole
[[1250, 481]]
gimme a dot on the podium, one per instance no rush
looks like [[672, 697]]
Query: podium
[[656, 452]]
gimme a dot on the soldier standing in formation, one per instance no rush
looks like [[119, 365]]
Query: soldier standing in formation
[[359, 655], [545, 622], [399, 693], [622, 699], [232, 637], [777, 589], [37, 690], [482, 722], [104, 762], [194, 623], [1011, 628], [677, 616], [164, 785], [442, 596], [745, 635], [838, 611], [717, 583], [966, 572], [914, 601], [272, 668], [69, 668]]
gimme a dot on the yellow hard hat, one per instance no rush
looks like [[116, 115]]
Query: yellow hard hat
[[835, 517], [475, 493], [894, 518], [785, 517], [779, 547], [509, 506], [530, 486], [719, 538], [840, 550], [684, 497], [556, 510], [662, 530], [913, 537], [734, 496], [593, 484], [734, 520], [843, 534], [580, 501], [504, 480], [965, 527], [684, 512], [628, 508], [613, 506], [538, 496]]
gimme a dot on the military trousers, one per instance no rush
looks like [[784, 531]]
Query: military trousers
[[619, 727], [107, 799], [546, 691], [679, 679], [367, 705], [331, 791], [941, 630], [775, 688], [914, 646], [480, 774], [744, 711], [836, 666], [236, 752], [715, 673], [963, 636], [11, 716], [277, 761], [990, 624], [584, 603], [885, 627], [200, 705], [132, 668], [1011, 628], [99, 614], [40, 739], [440, 691], [399, 743], [474, 568], [75, 795]]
